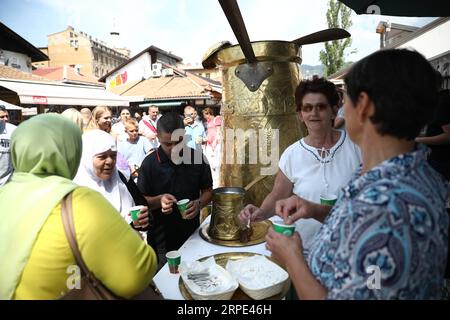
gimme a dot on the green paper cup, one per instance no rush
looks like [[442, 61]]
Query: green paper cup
[[135, 212], [328, 200], [173, 260], [182, 207], [281, 227]]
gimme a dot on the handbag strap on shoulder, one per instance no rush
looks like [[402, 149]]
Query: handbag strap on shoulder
[[69, 228]]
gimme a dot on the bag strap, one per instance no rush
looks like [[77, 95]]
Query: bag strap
[[99, 290], [150, 125], [69, 228]]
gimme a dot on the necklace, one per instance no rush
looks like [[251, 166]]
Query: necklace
[[325, 157]]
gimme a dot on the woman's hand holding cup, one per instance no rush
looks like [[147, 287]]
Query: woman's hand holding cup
[[139, 215], [293, 208]]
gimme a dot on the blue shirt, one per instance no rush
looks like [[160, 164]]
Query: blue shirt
[[192, 132], [393, 218], [135, 151]]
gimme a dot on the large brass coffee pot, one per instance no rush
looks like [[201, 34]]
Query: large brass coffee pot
[[259, 114], [257, 123]]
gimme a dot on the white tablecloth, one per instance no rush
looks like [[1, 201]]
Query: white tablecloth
[[193, 249]]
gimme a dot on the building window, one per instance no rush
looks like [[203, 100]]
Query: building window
[[74, 44], [95, 56], [96, 72]]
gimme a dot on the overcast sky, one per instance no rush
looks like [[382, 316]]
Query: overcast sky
[[187, 28]]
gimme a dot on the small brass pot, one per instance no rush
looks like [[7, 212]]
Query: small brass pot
[[227, 203]]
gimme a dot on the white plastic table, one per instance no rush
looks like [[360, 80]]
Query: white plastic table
[[193, 249]]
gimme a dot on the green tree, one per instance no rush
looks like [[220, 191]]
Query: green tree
[[338, 16]]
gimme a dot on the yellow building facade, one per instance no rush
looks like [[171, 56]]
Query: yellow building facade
[[91, 56]]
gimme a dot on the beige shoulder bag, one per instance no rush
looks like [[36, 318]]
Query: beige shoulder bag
[[90, 287]]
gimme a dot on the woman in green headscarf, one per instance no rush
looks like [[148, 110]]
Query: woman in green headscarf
[[35, 254]]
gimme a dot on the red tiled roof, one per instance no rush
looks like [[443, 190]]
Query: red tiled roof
[[57, 74], [167, 88], [13, 73]]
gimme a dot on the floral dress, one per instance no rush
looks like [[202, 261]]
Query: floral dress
[[386, 237]]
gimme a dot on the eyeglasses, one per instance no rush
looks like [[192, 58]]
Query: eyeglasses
[[310, 107]]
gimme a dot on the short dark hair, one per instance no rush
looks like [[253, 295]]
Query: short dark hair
[[316, 85], [2, 107], [402, 85], [169, 122], [208, 110]]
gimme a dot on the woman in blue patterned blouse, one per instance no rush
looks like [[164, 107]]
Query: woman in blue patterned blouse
[[386, 236]]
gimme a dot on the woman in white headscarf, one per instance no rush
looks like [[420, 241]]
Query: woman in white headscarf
[[98, 171]]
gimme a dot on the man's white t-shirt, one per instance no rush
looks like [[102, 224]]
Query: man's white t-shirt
[[310, 174], [145, 130], [6, 168], [119, 129]]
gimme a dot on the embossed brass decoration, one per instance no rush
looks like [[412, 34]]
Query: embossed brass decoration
[[222, 259], [227, 203], [259, 231], [271, 107]]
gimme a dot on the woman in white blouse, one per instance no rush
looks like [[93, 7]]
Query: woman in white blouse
[[320, 163]]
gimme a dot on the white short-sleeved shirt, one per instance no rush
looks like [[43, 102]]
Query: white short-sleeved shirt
[[119, 129], [145, 130], [6, 168], [309, 173], [134, 152]]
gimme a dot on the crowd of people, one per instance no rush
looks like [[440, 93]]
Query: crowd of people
[[391, 189]]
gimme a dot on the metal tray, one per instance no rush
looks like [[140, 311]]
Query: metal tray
[[222, 259], [258, 235]]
